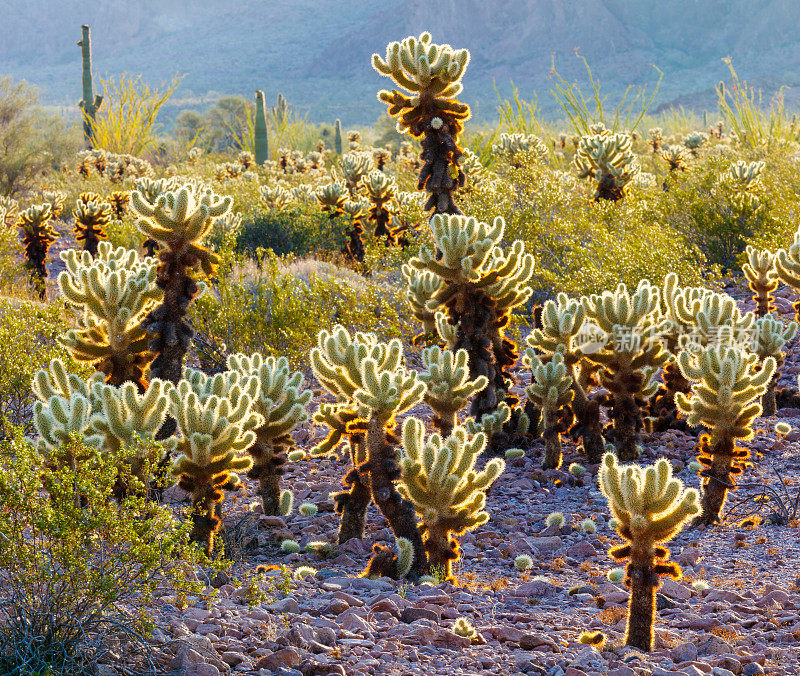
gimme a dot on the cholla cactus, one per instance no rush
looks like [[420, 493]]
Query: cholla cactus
[[769, 338], [609, 160], [37, 236], [381, 191], [727, 384], [550, 390], [694, 141], [246, 159], [447, 385], [651, 507], [762, 278], [440, 479], [276, 198], [357, 211], [114, 292], [655, 138], [10, 207], [431, 74], [421, 286], [55, 198], [194, 154], [381, 156], [787, 265], [119, 200], [216, 424], [634, 326], [354, 140], [178, 220], [355, 167], [510, 146], [91, 218], [281, 402], [332, 197], [744, 179], [481, 285], [675, 157]]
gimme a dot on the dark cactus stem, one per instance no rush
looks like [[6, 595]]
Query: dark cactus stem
[[442, 549], [722, 463], [607, 189], [439, 153], [382, 218], [260, 140], [642, 606], [662, 404], [587, 425], [269, 460], [352, 504], [554, 424], [206, 511], [625, 413], [90, 103], [354, 249]]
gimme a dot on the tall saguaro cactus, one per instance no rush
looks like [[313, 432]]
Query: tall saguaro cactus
[[90, 103], [337, 136], [260, 139]]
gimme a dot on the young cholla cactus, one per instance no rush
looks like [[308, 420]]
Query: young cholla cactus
[[91, 219], [655, 139], [634, 326], [119, 200], [38, 235], [381, 191], [675, 157], [276, 198], [609, 160], [281, 402], [332, 197], [512, 145], [695, 141], [550, 390], [114, 292], [355, 167], [357, 211], [432, 75], [178, 220], [439, 477], [448, 387], [762, 278], [744, 180], [651, 507], [216, 425], [769, 338], [481, 285], [55, 198], [724, 398]]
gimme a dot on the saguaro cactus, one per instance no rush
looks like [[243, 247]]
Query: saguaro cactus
[[260, 139], [651, 507], [724, 398], [432, 75], [37, 236], [337, 136], [439, 478], [90, 103]]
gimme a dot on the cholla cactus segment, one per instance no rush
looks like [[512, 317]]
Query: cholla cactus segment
[[651, 507], [727, 383], [91, 218], [561, 322], [676, 158], [421, 286], [744, 179], [55, 198], [694, 141], [194, 154], [37, 236], [489, 423], [56, 381], [381, 190], [405, 556], [448, 387], [354, 167], [787, 265], [655, 138], [275, 198], [510, 146], [114, 292], [58, 421], [609, 160], [332, 197], [762, 278], [770, 336], [447, 332], [439, 477], [10, 207], [462, 627]]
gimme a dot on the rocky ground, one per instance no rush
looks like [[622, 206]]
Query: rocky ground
[[746, 622]]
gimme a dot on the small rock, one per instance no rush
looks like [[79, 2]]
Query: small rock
[[412, 614], [280, 658]]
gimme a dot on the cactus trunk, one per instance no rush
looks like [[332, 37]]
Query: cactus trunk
[[353, 504], [90, 103], [260, 140], [719, 462], [552, 439], [206, 516], [642, 605], [337, 137], [442, 550], [587, 425], [768, 400], [662, 403]]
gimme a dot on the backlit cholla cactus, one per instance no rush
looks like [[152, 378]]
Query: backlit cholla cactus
[[332, 198], [55, 198], [431, 74], [381, 191], [119, 200], [357, 211], [37, 236], [354, 168], [550, 390], [216, 425], [281, 402], [787, 265], [608, 160], [178, 220], [770, 336], [275, 198], [440, 479], [513, 146], [634, 325], [421, 286], [91, 219], [246, 159], [695, 141], [381, 156], [113, 292], [655, 138], [447, 385], [11, 208], [650, 507], [762, 278], [727, 384], [675, 157], [744, 180], [481, 285]]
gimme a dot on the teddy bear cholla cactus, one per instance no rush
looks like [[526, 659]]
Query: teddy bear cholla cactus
[[55, 198], [787, 265], [431, 74], [37, 236], [381, 191], [650, 507], [762, 278], [355, 167], [770, 336], [744, 179], [481, 285], [439, 478], [609, 160], [281, 402], [421, 286], [655, 138], [675, 157], [357, 211], [332, 197], [275, 198], [727, 383], [91, 219], [114, 292], [510, 146]]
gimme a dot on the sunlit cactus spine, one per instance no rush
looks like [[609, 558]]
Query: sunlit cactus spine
[[37, 237], [431, 74], [260, 138], [275, 198], [90, 103], [91, 219], [439, 478], [770, 336], [608, 160], [513, 146], [650, 507], [332, 198], [337, 136], [355, 167], [727, 384]]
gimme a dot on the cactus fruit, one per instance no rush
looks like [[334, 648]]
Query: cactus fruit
[[260, 139], [769, 338], [651, 507], [762, 278], [432, 75], [337, 136], [354, 248], [439, 478], [448, 387], [550, 390], [609, 160], [281, 402], [178, 220], [37, 236], [90, 221], [90, 103], [381, 191], [727, 384]]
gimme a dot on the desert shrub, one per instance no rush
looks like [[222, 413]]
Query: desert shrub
[[76, 569], [12, 275], [298, 230]]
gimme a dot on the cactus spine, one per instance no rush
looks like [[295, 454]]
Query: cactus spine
[[260, 139], [90, 103], [651, 507]]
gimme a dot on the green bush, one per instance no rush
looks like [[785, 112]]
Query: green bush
[[299, 230]]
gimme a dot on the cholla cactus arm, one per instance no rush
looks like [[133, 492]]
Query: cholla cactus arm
[[55, 198], [276, 198], [762, 278], [447, 332], [675, 157], [447, 385], [281, 401], [332, 197], [769, 339], [37, 236], [609, 160], [114, 292], [439, 478], [656, 138], [354, 167], [551, 390], [651, 507], [787, 265], [724, 398], [55, 380], [91, 219], [421, 286], [431, 74]]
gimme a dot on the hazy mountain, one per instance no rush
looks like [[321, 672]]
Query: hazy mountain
[[317, 52]]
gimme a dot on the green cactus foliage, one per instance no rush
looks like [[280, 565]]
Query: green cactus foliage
[[260, 138], [420, 287], [608, 160], [37, 236], [337, 136], [651, 507], [59, 421], [90, 103], [787, 265], [275, 198], [512, 146]]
